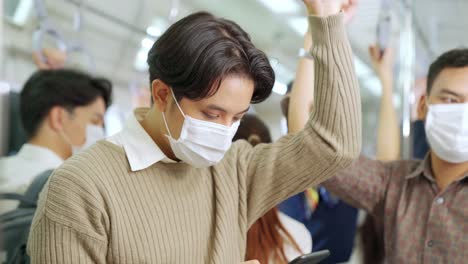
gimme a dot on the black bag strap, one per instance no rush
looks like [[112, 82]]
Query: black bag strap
[[18, 197], [33, 191], [20, 255]]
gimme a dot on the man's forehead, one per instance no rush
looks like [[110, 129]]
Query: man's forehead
[[453, 80]]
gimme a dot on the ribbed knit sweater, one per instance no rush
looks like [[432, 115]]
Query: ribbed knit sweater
[[94, 209]]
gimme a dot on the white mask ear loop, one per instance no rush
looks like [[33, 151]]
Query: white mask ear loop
[[165, 123], [177, 103], [164, 115]]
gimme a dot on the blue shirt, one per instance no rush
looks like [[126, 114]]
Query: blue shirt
[[420, 145], [332, 224]]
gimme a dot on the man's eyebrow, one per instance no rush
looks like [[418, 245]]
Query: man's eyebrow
[[447, 91], [219, 108]]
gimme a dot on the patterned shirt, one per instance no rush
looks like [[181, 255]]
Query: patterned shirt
[[420, 223]]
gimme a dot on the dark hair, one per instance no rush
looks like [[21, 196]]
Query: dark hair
[[197, 52], [289, 87], [284, 103], [252, 125], [456, 58], [46, 89]]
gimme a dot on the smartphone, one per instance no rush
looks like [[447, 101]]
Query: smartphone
[[312, 258]]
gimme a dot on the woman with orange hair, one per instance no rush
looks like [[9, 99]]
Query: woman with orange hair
[[275, 238]]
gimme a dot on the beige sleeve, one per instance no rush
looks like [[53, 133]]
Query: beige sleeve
[[55, 243], [331, 139], [69, 224]]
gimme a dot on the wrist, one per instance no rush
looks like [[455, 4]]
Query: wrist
[[385, 77], [303, 53], [324, 9], [311, 11], [308, 40], [387, 89]]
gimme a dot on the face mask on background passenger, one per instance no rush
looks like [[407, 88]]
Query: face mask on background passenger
[[93, 134], [447, 131], [201, 143]]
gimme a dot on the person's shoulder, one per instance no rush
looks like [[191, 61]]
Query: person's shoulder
[[75, 189], [100, 155], [404, 166], [8, 160], [239, 145], [14, 168], [401, 169], [5, 164], [87, 170]]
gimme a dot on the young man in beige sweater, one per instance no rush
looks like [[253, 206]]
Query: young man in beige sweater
[[169, 188]]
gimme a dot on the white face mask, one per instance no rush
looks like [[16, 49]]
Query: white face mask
[[201, 143], [93, 134], [447, 131]]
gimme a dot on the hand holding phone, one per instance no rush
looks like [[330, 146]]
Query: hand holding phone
[[312, 258]]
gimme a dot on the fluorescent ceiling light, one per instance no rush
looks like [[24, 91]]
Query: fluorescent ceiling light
[[17, 12], [154, 31], [147, 43], [4, 88], [282, 6], [280, 88], [299, 24], [157, 27], [140, 60], [22, 13]]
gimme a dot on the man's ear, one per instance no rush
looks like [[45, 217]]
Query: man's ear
[[422, 108], [160, 93], [55, 118]]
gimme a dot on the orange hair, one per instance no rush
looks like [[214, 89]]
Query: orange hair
[[266, 239]]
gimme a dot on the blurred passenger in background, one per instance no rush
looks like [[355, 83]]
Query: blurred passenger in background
[[421, 207], [62, 112], [275, 238], [388, 129], [388, 149], [331, 222]]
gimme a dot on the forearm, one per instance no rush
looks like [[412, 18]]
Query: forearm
[[388, 135], [302, 96], [54, 243], [336, 116]]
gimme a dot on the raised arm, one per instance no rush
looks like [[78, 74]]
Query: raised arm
[[302, 93], [331, 139], [388, 133], [362, 185]]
